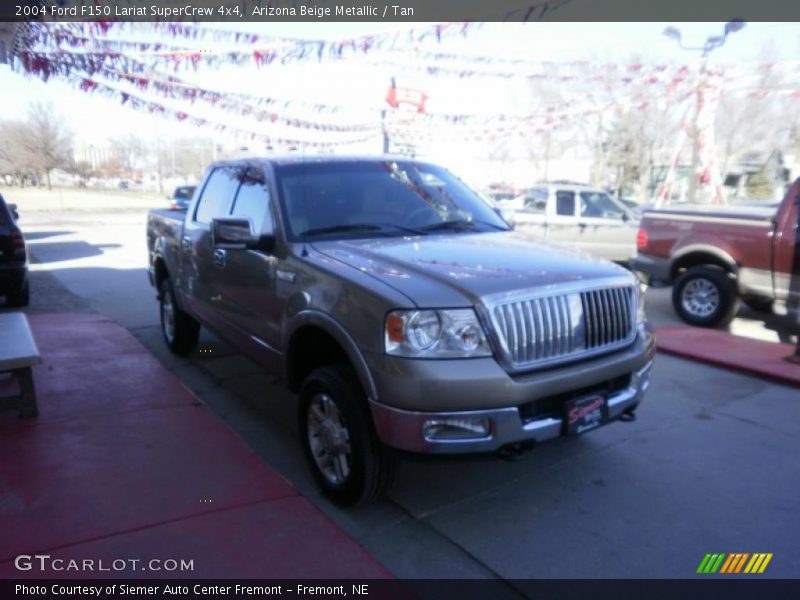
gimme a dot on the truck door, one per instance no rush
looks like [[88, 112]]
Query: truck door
[[562, 221], [531, 218], [198, 283], [604, 228], [786, 261], [248, 300]]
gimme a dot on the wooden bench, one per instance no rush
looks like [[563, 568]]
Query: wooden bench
[[18, 353]]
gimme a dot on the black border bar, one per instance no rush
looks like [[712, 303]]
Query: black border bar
[[444, 589], [322, 11]]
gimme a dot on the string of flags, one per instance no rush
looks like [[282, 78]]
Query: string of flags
[[140, 103], [128, 60]]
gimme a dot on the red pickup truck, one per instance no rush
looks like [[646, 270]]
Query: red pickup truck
[[714, 256]]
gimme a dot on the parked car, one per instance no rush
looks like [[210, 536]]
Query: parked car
[[401, 308], [181, 197], [715, 255], [577, 216], [13, 258]]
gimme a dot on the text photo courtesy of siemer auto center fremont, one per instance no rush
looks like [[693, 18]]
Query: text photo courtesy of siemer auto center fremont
[[374, 300]]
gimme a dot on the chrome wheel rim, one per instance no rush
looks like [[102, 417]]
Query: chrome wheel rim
[[168, 317], [700, 298], [329, 439]]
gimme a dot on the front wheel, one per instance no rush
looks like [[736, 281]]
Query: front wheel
[[21, 297], [705, 296], [180, 331], [348, 461]]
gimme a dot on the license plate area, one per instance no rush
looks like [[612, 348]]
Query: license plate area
[[584, 414]]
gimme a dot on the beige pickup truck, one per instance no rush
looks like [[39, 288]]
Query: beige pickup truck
[[400, 307], [575, 216]]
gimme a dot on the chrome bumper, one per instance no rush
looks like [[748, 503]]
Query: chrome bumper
[[405, 430]]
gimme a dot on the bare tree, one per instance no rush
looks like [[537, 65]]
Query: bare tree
[[638, 142], [749, 116], [14, 155], [48, 141], [131, 153]]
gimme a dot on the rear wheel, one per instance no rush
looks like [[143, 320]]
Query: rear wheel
[[180, 331], [21, 297], [348, 461], [705, 296]]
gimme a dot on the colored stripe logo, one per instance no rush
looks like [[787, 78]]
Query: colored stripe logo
[[737, 562]]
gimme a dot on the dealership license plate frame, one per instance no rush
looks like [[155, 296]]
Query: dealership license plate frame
[[588, 417]]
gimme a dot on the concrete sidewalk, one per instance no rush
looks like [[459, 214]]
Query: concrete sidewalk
[[125, 463], [721, 349]]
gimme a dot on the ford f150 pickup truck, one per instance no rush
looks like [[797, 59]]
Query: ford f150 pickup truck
[[576, 216], [716, 255], [401, 308]]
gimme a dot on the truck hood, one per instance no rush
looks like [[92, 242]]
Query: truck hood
[[457, 269]]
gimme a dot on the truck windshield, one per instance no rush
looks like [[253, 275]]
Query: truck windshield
[[361, 199]]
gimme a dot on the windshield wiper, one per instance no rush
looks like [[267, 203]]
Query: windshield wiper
[[359, 227], [461, 225]]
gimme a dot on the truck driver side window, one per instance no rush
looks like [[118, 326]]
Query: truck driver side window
[[565, 203], [253, 201], [217, 195], [599, 206]]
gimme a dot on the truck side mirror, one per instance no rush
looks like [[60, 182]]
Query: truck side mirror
[[233, 233], [507, 216]]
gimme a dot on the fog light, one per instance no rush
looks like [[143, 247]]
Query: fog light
[[641, 380], [456, 428]]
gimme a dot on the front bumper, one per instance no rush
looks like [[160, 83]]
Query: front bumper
[[650, 268], [406, 430]]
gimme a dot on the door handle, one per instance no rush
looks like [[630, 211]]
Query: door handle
[[219, 258], [582, 226], [186, 243]]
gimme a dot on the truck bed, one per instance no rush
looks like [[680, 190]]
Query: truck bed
[[712, 213]]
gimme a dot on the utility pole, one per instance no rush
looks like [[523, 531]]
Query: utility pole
[[699, 91], [712, 43], [385, 132]]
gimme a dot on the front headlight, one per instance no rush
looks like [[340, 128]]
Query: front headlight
[[453, 333]]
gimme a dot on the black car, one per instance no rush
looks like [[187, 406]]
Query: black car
[[13, 258], [181, 197]]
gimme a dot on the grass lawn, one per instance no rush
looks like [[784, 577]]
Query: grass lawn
[[58, 199]]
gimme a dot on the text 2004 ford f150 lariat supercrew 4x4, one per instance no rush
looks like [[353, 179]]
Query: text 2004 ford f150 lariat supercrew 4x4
[[401, 308]]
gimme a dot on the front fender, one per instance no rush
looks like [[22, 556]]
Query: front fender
[[337, 331]]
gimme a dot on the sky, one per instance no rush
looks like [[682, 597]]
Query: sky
[[354, 84]]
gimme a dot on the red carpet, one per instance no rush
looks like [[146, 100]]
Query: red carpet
[[124, 462], [719, 348]]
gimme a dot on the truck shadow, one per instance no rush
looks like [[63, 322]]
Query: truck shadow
[[40, 235], [51, 252]]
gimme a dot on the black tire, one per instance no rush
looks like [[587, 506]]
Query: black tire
[[705, 297], [371, 465], [182, 333], [21, 297], [763, 305]]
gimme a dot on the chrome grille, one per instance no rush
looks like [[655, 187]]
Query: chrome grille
[[548, 329]]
